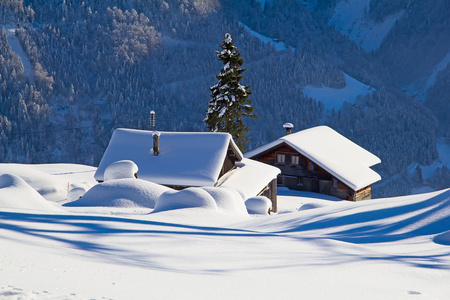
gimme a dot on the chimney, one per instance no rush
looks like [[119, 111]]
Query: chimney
[[152, 120], [288, 127], [156, 143]]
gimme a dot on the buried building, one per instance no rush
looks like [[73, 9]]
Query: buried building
[[190, 159]]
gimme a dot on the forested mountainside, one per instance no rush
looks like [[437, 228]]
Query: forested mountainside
[[98, 65]]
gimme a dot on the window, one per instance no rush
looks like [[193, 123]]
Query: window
[[281, 158], [295, 160], [335, 183], [310, 166]]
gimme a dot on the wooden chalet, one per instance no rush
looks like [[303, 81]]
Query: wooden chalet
[[189, 159], [321, 160]]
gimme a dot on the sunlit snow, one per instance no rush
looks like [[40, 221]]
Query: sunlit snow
[[315, 248]]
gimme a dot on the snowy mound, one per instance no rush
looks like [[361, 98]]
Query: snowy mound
[[76, 193], [45, 184], [187, 198], [227, 200], [126, 192], [313, 205], [443, 238], [52, 181], [16, 193], [121, 169], [259, 205]]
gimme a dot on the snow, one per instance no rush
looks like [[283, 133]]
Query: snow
[[16, 193], [258, 205], [126, 192], [335, 98], [121, 169], [249, 178], [48, 179], [393, 248], [333, 152], [279, 46], [187, 198], [420, 88], [185, 159], [443, 147], [17, 48], [350, 19], [442, 65], [228, 200]]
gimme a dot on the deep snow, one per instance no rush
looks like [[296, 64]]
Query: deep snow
[[394, 248]]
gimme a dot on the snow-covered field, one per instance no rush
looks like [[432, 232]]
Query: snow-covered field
[[17, 48], [350, 18], [314, 248], [335, 98]]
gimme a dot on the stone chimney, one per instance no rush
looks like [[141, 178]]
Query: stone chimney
[[288, 127], [156, 143]]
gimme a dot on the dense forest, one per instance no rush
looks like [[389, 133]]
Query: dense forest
[[99, 65]]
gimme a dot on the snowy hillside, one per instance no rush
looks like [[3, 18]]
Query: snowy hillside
[[351, 18], [319, 248], [335, 98]]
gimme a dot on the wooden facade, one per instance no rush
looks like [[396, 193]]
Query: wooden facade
[[270, 191], [298, 172]]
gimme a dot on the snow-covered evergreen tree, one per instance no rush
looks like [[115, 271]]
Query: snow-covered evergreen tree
[[230, 102]]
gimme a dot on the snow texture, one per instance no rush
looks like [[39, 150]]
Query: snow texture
[[185, 159], [335, 98], [187, 198], [350, 19], [127, 192], [16, 193], [48, 179], [339, 156], [121, 169], [258, 205], [393, 248], [17, 48], [279, 46], [228, 200], [249, 178], [420, 88]]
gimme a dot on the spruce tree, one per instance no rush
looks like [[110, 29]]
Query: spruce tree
[[230, 102]]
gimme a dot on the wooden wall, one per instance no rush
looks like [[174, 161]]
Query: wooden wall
[[308, 176]]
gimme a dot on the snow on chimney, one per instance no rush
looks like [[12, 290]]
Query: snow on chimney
[[288, 127], [152, 120]]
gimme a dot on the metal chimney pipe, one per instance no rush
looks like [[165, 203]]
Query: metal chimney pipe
[[288, 127], [152, 120]]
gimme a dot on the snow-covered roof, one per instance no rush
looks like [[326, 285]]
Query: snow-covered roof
[[336, 154], [185, 159], [250, 177]]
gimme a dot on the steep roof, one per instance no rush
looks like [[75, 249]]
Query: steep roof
[[333, 152], [185, 159]]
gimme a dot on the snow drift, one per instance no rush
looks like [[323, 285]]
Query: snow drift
[[121, 169], [125, 192], [227, 199], [16, 193], [187, 198], [259, 205]]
